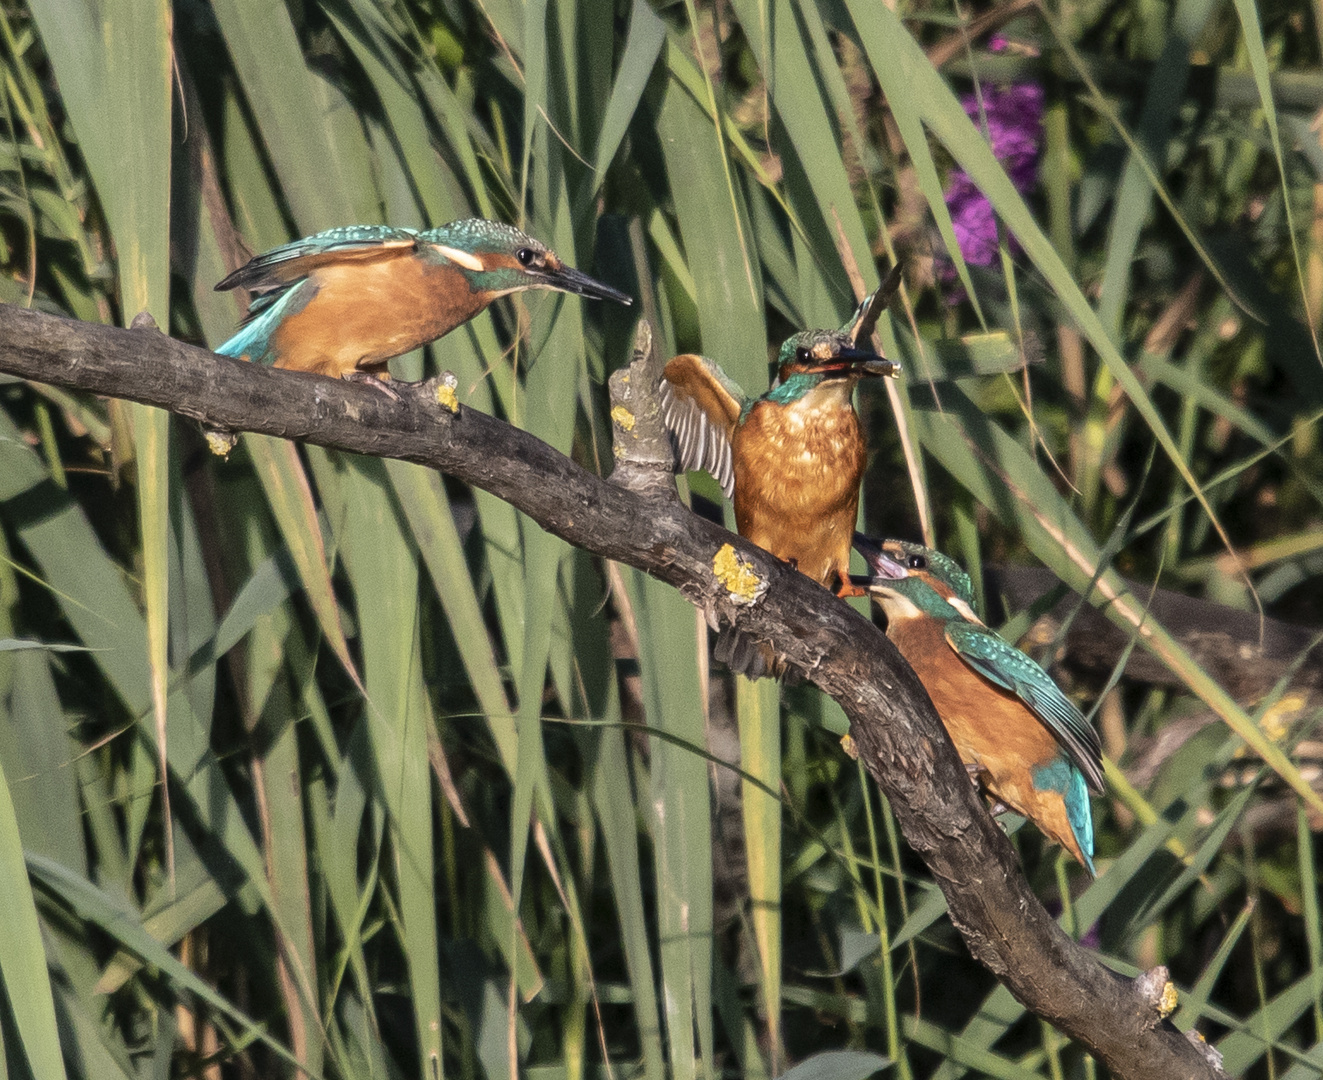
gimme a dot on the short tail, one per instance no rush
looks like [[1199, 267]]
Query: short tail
[[1080, 816], [1060, 779], [252, 341]]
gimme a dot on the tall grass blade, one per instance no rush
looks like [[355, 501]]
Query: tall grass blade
[[121, 924], [679, 818], [316, 162], [997, 472], [900, 65], [290, 497], [758, 708], [22, 959]]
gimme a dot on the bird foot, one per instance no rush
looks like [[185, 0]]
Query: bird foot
[[975, 771], [374, 381], [849, 588]]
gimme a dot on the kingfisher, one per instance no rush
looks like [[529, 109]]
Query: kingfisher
[[347, 300], [1021, 739], [792, 459]]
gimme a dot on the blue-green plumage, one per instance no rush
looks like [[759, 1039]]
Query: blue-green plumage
[[791, 460], [1030, 746], [265, 313], [346, 300], [1061, 776]]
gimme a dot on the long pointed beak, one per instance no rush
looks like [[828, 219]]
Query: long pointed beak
[[849, 362], [882, 565], [567, 279]]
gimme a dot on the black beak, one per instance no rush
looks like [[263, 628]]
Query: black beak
[[882, 565], [567, 279], [849, 362]]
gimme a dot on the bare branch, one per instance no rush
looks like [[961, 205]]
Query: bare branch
[[640, 521]]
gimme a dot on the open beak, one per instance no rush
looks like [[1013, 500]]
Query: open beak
[[852, 362], [567, 279], [882, 565]]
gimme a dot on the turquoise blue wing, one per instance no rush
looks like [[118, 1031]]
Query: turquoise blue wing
[[1011, 669], [287, 264]]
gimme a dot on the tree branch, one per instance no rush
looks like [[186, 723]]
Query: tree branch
[[637, 519]]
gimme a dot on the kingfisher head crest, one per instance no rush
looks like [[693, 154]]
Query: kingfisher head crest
[[500, 259], [829, 354], [932, 582]]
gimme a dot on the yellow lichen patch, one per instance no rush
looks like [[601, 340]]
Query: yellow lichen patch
[[848, 745], [445, 397], [1167, 1003], [623, 417], [220, 442], [741, 582]]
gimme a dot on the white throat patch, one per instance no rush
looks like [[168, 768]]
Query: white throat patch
[[900, 607]]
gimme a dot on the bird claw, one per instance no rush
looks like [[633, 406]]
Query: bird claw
[[374, 381], [975, 771]]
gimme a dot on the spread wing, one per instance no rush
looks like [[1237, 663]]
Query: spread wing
[[860, 327], [294, 261], [1008, 667], [700, 407]]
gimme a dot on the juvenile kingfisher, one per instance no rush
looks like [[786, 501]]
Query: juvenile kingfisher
[[1019, 736], [792, 459], [347, 300]]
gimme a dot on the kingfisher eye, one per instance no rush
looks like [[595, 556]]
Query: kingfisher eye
[[917, 562], [801, 355], [525, 256]]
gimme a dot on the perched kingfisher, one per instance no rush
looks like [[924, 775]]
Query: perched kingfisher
[[792, 459], [1019, 736], [347, 300]]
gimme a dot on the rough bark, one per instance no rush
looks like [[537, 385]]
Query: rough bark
[[1249, 655], [636, 518]]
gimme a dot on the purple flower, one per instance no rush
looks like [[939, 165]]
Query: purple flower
[[1014, 117]]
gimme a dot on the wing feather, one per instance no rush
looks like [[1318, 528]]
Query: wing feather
[[700, 407], [1013, 670], [287, 264]]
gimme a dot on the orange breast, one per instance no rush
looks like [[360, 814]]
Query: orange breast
[[797, 474], [991, 728], [364, 313]]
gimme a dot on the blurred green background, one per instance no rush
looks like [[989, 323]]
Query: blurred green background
[[410, 830]]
